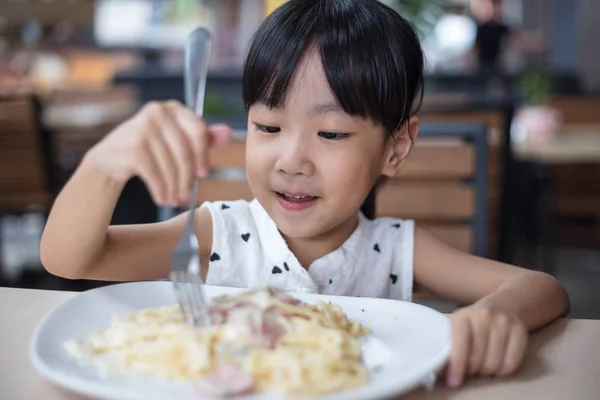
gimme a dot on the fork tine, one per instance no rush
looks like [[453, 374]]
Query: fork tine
[[202, 313], [189, 303], [189, 297], [194, 310], [183, 305], [193, 301], [205, 311], [195, 297], [182, 296]]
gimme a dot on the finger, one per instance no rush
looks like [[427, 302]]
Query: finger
[[197, 133], [461, 341], [149, 173], [496, 346], [220, 134], [480, 326], [158, 117], [180, 147], [162, 159], [515, 350]]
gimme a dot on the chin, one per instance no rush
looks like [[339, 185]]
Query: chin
[[312, 222], [299, 233], [305, 229]]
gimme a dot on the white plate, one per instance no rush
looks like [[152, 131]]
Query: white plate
[[409, 342]]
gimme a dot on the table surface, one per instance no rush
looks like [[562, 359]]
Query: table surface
[[574, 144], [563, 359]]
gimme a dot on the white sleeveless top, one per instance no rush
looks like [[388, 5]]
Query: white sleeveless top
[[249, 252]]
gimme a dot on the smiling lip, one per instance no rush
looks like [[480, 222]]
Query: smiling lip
[[296, 201]]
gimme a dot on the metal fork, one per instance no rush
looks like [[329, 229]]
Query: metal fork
[[185, 262]]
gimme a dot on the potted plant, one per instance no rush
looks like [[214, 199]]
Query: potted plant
[[536, 121], [423, 14]]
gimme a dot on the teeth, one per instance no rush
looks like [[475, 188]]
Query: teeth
[[295, 197]]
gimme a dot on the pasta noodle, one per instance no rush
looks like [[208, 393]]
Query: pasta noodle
[[260, 341]]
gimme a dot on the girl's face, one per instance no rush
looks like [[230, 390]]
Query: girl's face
[[309, 164]]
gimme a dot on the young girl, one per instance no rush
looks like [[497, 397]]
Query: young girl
[[330, 88]]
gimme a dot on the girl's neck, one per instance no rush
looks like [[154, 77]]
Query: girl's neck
[[308, 250]]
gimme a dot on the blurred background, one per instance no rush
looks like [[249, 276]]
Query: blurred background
[[508, 166]]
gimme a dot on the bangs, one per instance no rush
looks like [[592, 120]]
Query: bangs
[[370, 55]]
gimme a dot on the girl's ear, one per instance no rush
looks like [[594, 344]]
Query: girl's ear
[[399, 146]]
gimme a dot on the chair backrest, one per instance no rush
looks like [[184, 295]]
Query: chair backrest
[[443, 185], [497, 119], [24, 159]]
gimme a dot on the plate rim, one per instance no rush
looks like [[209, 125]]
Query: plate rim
[[88, 389]]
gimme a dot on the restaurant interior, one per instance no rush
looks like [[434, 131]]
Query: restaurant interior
[[507, 165]]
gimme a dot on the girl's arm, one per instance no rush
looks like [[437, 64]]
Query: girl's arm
[[78, 242], [534, 297], [502, 302], [166, 145]]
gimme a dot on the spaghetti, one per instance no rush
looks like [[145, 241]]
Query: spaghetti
[[260, 341]]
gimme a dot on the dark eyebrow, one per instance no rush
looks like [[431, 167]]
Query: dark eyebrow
[[317, 109], [320, 109]]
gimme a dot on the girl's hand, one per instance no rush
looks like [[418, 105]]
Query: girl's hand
[[484, 342], [165, 144]]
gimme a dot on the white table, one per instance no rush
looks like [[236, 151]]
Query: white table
[[563, 360], [574, 144]]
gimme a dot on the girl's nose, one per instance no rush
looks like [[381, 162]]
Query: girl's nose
[[295, 157]]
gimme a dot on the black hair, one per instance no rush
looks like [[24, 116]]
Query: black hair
[[371, 57]]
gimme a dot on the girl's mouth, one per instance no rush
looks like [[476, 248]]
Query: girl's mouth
[[292, 197], [296, 202]]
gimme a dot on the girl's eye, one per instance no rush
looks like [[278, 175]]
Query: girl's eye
[[267, 129], [333, 135]]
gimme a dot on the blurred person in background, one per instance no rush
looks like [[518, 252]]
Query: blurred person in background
[[494, 36]]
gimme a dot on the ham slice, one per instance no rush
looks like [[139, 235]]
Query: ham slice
[[253, 317], [253, 314], [226, 381]]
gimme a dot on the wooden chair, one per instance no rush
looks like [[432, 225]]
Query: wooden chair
[[26, 182], [25, 166], [443, 185], [497, 121]]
